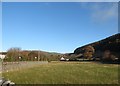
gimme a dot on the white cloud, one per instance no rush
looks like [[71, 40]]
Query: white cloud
[[104, 12], [101, 11]]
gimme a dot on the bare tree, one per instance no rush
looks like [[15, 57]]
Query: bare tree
[[13, 53]]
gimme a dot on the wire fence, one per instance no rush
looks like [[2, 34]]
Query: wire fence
[[11, 66]]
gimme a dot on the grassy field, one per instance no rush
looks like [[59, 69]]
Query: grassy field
[[66, 73]]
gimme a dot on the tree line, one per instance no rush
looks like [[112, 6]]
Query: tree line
[[16, 54]]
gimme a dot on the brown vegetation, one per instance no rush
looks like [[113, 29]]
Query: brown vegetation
[[107, 49]]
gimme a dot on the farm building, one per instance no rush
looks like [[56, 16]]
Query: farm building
[[2, 56], [62, 59]]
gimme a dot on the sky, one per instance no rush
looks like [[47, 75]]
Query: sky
[[57, 26]]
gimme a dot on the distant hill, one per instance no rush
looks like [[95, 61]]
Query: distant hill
[[109, 45], [105, 49]]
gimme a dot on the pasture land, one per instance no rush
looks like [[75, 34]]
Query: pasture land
[[65, 73]]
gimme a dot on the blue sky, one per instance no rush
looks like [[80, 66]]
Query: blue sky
[[56, 26]]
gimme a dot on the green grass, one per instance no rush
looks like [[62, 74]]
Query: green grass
[[66, 73]]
